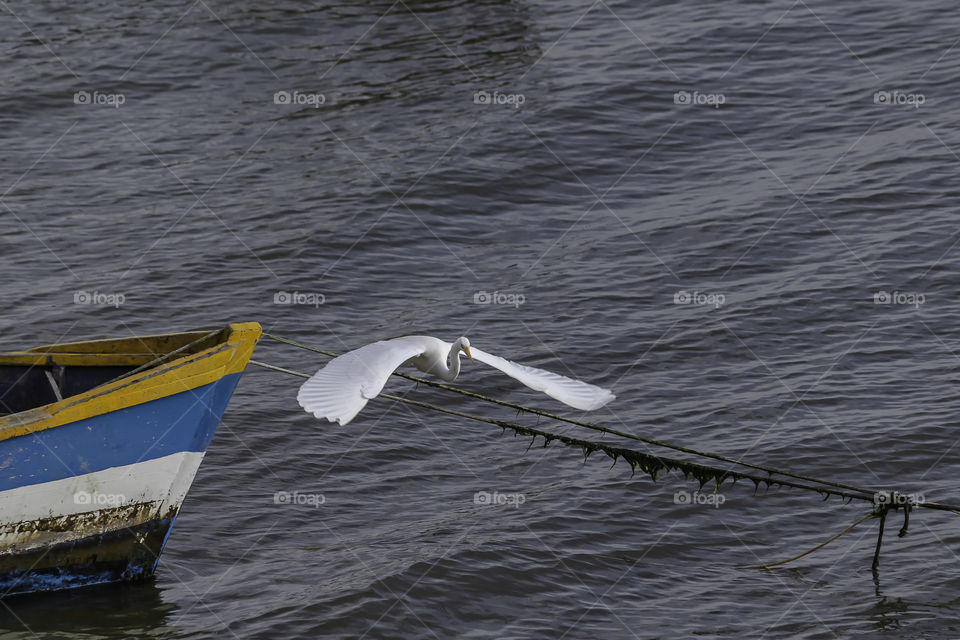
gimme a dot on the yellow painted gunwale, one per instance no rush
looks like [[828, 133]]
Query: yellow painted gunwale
[[181, 374]]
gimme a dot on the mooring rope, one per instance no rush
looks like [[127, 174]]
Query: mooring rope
[[652, 465], [816, 548], [646, 462], [594, 427]]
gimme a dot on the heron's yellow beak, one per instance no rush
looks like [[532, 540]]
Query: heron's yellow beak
[[466, 350]]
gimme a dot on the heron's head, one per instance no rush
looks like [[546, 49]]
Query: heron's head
[[465, 346]]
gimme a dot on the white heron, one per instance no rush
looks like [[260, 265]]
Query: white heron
[[342, 388]]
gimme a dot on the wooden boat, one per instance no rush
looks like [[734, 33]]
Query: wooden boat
[[99, 443]]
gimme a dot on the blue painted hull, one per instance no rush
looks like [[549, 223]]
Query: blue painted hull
[[182, 422], [126, 451]]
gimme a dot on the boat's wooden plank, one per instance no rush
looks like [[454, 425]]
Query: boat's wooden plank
[[183, 374]]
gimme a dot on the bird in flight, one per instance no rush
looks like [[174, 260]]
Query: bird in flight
[[342, 388]]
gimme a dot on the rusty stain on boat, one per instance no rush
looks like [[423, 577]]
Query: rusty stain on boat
[[133, 437]]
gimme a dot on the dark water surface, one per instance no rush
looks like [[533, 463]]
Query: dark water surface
[[782, 185]]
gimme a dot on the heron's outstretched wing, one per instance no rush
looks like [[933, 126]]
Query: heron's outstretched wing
[[575, 393], [341, 389]]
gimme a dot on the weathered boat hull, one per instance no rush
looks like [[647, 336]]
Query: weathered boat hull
[[93, 499]]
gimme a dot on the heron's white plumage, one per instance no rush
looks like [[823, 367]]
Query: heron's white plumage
[[342, 388], [577, 394]]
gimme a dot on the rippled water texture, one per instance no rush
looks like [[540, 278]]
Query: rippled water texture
[[700, 205]]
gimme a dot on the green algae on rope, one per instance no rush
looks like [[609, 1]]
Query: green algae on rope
[[579, 423], [650, 464], [653, 465], [766, 468]]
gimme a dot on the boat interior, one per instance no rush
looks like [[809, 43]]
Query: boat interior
[[46, 374]]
